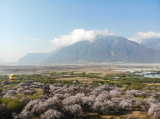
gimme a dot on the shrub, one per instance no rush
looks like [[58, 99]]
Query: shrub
[[15, 106]]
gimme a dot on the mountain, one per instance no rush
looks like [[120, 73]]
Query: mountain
[[153, 43], [105, 49], [35, 58]]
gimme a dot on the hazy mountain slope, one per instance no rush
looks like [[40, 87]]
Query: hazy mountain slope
[[33, 58], [109, 48], [153, 43], [36, 57]]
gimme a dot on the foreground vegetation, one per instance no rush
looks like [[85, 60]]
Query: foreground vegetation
[[67, 95]]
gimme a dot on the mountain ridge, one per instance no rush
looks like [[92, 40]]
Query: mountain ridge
[[105, 49]]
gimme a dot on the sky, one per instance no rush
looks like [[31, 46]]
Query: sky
[[34, 26]]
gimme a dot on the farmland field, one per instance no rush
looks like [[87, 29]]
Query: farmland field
[[79, 91]]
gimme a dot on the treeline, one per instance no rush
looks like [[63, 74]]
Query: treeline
[[135, 83], [128, 81]]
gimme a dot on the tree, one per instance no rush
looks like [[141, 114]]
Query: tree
[[53, 102], [25, 100], [20, 90], [23, 115], [87, 102], [72, 100], [29, 92], [155, 110], [75, 110], [126, 104], [138, 102], [4, 114], [52, 114], [97, 107], [11, 93], [105, 107]]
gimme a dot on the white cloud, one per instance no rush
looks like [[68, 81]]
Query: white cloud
[[140, 36], [78, 35]]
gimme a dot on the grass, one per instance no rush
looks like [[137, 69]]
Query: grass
[[85, 79], [38, 90]]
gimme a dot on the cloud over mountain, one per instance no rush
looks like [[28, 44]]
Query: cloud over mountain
[[78, 35], [140, 36]]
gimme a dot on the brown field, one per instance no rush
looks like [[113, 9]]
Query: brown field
[[150, 84], [136, 114]]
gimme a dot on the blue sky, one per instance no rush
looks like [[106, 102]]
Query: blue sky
[[28, 26]]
